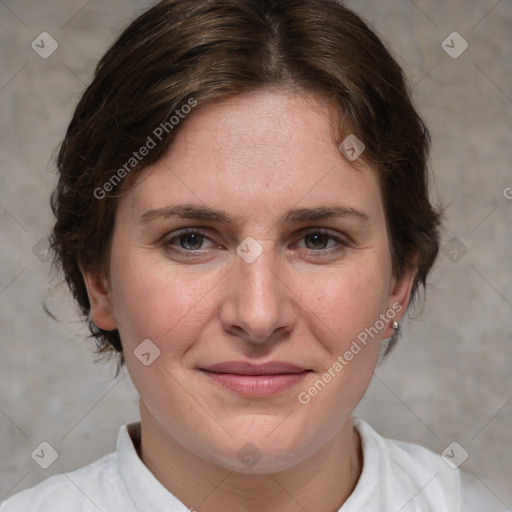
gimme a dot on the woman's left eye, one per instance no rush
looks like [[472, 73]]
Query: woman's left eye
[[319, 240]]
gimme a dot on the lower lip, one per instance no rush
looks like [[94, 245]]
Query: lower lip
[[257, 385]]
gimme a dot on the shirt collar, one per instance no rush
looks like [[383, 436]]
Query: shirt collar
[[146, 492]]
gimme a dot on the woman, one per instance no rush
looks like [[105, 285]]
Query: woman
[[242, 214]]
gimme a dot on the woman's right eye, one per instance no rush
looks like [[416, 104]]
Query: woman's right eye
[[189, 240]]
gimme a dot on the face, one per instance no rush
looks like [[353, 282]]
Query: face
[[254, 257]]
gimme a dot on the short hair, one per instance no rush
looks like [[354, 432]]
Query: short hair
[[188, 52]]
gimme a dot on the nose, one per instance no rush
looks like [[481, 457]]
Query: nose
[[258, 306]]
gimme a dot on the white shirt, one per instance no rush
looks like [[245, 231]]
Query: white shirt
[[396, 476]]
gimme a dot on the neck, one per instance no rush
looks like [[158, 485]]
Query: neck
[[320, 483]]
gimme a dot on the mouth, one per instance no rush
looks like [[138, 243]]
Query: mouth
[[249, 380]]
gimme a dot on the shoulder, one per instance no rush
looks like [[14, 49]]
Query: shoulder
[[403, 456], [412, 468], [408, 475], [77, 490]]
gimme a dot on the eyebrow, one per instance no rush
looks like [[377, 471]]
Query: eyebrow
[[297, 215]]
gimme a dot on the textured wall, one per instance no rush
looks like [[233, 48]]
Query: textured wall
[[448, 380]]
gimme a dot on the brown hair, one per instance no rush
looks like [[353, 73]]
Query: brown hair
[[191, 51]]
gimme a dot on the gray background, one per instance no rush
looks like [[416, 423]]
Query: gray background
[[448, 380]]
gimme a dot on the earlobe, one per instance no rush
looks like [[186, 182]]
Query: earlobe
[[99, 299]]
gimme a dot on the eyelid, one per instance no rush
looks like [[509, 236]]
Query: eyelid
[[324, 231]]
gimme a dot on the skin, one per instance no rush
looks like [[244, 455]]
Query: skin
[[255, 156]]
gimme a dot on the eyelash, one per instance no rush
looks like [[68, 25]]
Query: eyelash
[[168, 243]]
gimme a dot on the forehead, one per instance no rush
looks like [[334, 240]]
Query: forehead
[[255, 153]]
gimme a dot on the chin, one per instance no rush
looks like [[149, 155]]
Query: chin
[[257, 453], [251, 460]]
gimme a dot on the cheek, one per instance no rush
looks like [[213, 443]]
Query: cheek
[[157, 301], [348, 303], [342, 321]]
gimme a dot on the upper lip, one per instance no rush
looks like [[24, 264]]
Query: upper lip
[[245, 368]]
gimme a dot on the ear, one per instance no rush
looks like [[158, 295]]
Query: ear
[[400, 291], [99, 299]]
